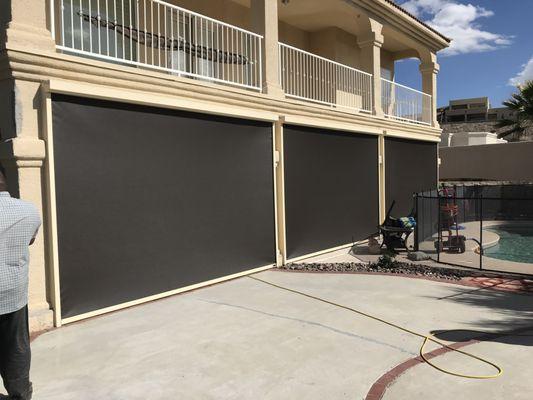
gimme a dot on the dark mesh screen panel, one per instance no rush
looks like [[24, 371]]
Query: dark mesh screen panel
[[150, 200], [410, 167], [331, 188]]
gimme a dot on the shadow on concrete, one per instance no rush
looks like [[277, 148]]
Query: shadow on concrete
[[521, 336], [513, 316]]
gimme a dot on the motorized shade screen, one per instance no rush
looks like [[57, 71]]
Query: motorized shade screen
[[410, 167], [150, 200], [331, 188]]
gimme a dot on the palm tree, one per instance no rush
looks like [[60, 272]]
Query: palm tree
[[522, 105]]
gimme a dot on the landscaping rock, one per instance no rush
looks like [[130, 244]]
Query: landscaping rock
[[394, 268], [373, 246]]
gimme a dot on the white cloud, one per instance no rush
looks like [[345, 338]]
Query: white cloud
[[418, 7], [459, 22], [524, 75]]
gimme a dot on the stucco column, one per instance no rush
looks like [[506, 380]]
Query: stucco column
[[24, 28], [429, 70], [23, 156], [281, 253], [370, 45], [381, 177], [265, 22], [25, 24]]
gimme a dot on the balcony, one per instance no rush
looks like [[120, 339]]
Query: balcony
[[309, 77], [156, 35], [403, 103]]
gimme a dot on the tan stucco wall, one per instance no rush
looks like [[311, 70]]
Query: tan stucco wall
[[293, 36], [341, 46], [499, 162], [224, 10], [239, 15], [337, 45], [387, 62]]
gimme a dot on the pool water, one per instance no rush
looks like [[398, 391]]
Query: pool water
[[516, 244]]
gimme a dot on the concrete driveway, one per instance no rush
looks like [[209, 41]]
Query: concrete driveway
[[245, 340]]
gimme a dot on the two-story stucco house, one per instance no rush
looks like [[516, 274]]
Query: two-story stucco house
[[174, 144]]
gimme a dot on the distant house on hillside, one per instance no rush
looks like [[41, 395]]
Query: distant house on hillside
[[467, 122], [472, 110]]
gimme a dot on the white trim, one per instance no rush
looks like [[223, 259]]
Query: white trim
[[406, 120], [275, 164], [336, 126], [413, 136], [172, 102], [405, 87], [53, 254], [280, 180], [52, 19], [323, 58], [162, 295], [382, 182]]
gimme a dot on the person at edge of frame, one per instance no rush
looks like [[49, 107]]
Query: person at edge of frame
[[19, 224]]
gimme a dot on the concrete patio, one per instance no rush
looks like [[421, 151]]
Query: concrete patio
[[243, 339]]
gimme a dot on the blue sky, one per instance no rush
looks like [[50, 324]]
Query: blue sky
[[493, 47]]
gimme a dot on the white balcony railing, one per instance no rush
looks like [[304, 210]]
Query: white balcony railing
[[309, 77], [157, 35], [405, 104]]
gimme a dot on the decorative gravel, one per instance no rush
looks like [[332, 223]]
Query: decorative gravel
[[397, 268]]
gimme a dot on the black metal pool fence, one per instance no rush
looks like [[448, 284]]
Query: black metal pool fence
[[479, 226]]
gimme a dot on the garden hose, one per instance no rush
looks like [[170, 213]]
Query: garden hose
[[427, 338]]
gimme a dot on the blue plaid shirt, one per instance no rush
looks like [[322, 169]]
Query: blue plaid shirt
[[19, 223]]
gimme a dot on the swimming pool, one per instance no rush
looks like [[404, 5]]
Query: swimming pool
[[515, 244]]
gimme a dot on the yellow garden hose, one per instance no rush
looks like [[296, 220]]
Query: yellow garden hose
[[427, 338]]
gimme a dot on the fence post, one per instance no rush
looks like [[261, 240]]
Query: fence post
[[439, 231], [481, 232], [416, 221]]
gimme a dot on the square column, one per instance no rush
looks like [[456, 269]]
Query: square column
[[265, 22], [24, 27], [23, 159], [429, 71], [370, 46]]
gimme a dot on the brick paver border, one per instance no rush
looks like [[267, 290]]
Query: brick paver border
[[379, 387]]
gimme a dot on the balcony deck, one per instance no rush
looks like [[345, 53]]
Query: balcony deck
[[155, 35]]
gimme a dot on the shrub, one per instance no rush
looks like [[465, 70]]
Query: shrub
[[387, 261]]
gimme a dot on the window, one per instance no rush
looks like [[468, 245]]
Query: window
[[84, 31], [476, 117], [456, 118], [195, 40]]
